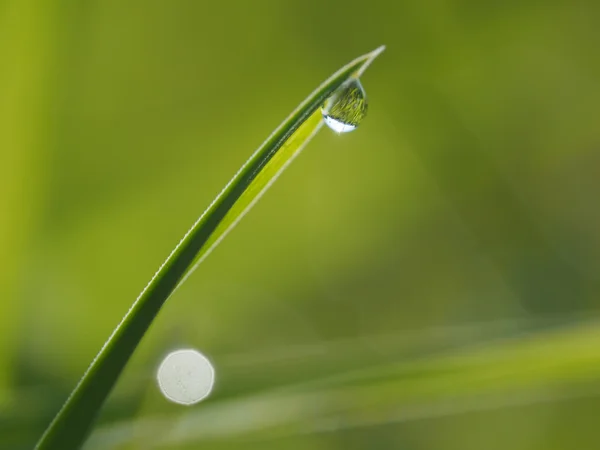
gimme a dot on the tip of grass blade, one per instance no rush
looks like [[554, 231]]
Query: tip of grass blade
[[370, 57], [377, 51]]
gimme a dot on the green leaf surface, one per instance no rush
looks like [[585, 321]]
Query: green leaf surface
[[71, 425]]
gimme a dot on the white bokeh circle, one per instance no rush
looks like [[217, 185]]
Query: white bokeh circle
[[185, 376]]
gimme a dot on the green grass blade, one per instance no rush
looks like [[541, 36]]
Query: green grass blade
[[413, 375], [526, 366], [71, 425]]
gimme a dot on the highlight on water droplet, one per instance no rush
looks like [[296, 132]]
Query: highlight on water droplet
[[185, 377], [347, 106]]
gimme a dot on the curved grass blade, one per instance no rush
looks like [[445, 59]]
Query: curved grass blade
[[71, 425]]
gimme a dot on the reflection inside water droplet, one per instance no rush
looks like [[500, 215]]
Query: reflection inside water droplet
[[346, 107]]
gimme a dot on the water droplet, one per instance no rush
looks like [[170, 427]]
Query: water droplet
[[185, 377], [346, 107]]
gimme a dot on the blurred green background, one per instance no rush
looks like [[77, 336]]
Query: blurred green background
[[430, 281]]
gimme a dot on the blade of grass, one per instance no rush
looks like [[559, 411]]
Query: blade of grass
[[71, 425], [532, 366], [280, 157], [525, 367]]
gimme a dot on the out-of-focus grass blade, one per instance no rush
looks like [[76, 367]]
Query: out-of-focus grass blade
[[533, 367], [71, 425]]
